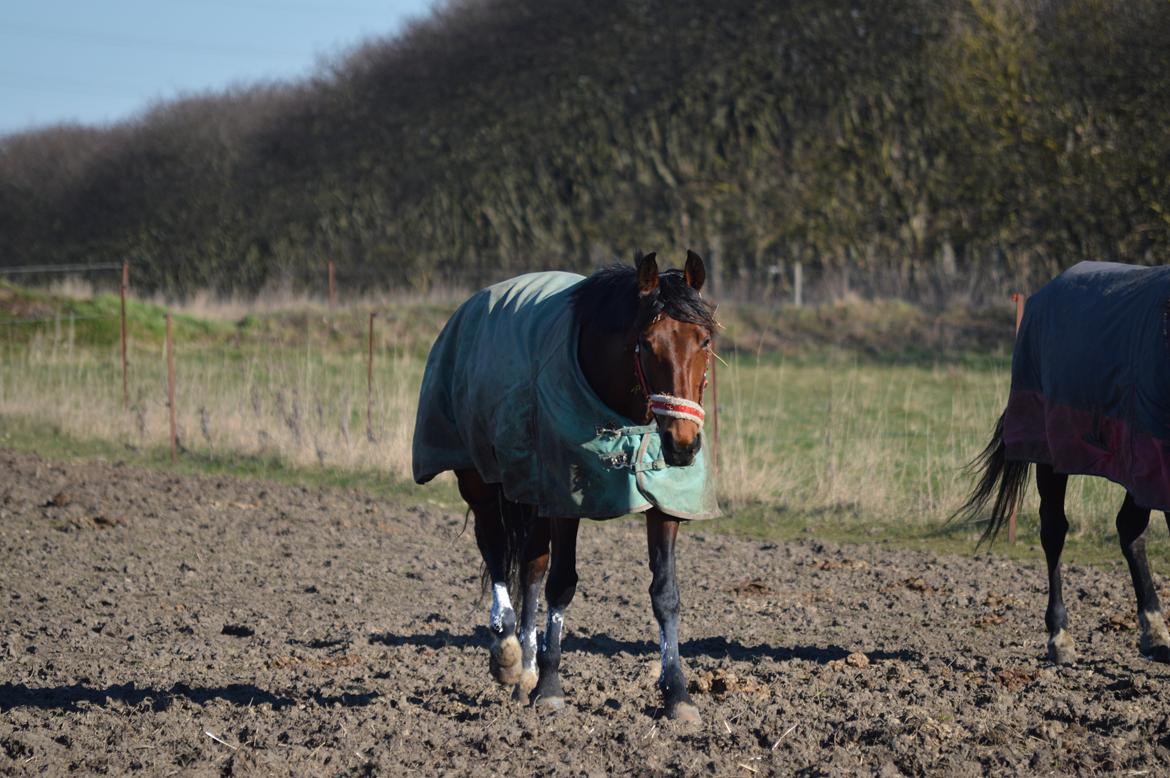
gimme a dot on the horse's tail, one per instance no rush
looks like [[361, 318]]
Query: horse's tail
[[517, 522], [1000, 478], [516, 519]]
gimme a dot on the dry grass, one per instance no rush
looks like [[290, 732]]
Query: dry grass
[[208, 305], [305, 407], [875, 443]]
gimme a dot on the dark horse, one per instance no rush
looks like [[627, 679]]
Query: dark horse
[[579, 402], [1090, 394]]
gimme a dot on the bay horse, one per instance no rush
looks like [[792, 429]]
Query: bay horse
[[554, 398], [1090, 394]]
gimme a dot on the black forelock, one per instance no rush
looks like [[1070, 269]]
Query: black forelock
[[608, 300]]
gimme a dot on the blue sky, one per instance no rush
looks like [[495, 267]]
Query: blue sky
[[99, 61]]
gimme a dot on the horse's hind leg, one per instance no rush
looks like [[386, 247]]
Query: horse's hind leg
[[660, 536], [491, 535], [1053, 529], [1132, 521], [562, 585], [533, 565]]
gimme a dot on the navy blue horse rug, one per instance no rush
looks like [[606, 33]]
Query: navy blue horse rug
[[1090, 387]]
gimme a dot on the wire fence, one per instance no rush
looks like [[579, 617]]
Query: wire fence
[[13, 270], [75, 268], [300, 414]]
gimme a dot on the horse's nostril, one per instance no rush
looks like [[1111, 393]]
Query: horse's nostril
[[679, 455]]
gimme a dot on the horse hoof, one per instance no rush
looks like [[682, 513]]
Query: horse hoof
[[549, 704], [1061, 650], [522, 692], [505, 661], [686, 713], [1157, 654]]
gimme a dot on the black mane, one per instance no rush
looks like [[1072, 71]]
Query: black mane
[[608, 300]]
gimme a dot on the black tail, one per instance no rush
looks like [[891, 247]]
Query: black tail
[[1004, 480], [516, 519], [517, 522]]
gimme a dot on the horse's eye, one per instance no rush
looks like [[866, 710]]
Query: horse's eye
[[706, 343]]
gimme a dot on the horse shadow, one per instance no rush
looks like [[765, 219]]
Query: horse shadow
[[69, 698], [604, 645], [722, 648], [442, 638]]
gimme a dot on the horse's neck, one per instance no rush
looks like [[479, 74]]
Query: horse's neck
[[608, 365]]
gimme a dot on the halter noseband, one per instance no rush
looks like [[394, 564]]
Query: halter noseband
[[668, 404]]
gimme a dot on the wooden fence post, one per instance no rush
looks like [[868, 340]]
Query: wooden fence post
[[332, 285], [125, 380], [797, 284], [171, 388], [370, 384], [1018, 299]]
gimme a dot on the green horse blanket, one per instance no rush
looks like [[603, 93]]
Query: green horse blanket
[[503, 393]]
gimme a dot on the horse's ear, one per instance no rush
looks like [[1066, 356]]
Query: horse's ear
[[647, 274], [694, 272]]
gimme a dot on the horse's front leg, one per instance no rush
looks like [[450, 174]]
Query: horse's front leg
[[562, 585], [533, 565], [491, 535], [1053, 530], [1132, 521], [661, 532]]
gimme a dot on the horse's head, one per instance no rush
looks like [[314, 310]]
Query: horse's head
[[672, 351]]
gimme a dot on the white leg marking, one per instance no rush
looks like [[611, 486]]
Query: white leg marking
[[556, 617], [500, 602], [529, 639], [668, 657]]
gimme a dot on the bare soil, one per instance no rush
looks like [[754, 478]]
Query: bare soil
[[208, 625]]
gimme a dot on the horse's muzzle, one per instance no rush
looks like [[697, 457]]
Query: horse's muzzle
[[677, 455]]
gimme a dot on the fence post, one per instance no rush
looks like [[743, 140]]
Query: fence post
[[797, 283], [171, 388], [370, 384], [332, 285], [125, 381], [1018, 299]]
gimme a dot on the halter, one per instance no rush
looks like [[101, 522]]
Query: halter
[[668, 404]]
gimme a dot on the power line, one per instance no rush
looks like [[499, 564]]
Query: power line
[[309, 8], [62, 87], [54, 80], [23, 29]]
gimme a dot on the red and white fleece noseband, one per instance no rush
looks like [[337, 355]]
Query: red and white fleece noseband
[[677, 408], [668, 404]]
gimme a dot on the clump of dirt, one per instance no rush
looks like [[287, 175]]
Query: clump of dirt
[[751, 587], [857, 660], [919, 584], [1119, 622], [721, 682]]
